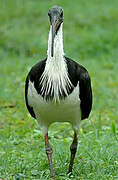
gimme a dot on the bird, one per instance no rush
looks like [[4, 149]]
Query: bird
[[58, 89]]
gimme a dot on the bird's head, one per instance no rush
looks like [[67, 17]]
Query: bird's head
[[56, 18]]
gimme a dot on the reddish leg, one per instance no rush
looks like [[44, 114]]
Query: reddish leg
[[73, 149], [49, 155]]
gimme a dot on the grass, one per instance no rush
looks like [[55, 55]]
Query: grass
[[91, 38]]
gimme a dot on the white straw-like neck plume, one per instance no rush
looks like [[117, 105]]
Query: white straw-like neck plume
[[54, 80]]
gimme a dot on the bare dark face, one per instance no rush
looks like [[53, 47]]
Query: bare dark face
[[56, 18]]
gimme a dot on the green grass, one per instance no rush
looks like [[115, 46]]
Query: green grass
[[91, 38]]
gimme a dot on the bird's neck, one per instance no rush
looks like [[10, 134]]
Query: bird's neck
[[55, 80], [58, 46]]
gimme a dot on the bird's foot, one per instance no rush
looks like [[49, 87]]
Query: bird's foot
[[53, 178], [69, 170], [69, 173]]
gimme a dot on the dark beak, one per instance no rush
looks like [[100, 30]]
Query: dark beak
[[55, 26]]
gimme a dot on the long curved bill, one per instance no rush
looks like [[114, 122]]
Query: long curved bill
[[55, 25]]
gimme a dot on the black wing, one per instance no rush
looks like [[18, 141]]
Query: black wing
[[34, 76], [78, 73], [85, 94], [30, 109]]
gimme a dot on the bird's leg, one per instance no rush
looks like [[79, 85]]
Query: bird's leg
[[73, 149], [49, 155]]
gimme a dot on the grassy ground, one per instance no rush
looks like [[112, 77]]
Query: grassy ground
[[91, 38]]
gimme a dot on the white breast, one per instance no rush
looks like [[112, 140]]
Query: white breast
[[47, 112]]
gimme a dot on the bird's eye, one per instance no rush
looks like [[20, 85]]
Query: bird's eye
[[61, 14], [49, 14]]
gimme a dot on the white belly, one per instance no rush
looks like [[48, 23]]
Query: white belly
[[47, 112]]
